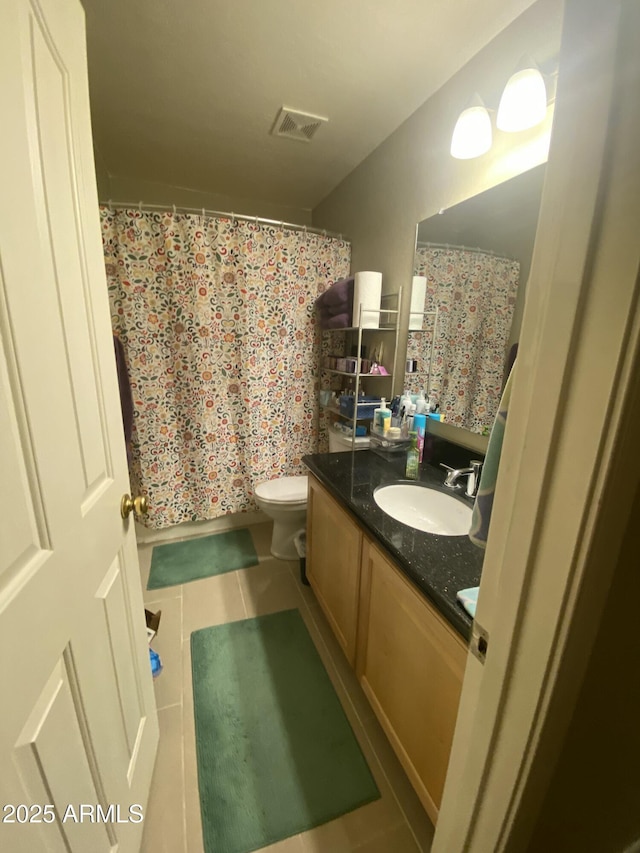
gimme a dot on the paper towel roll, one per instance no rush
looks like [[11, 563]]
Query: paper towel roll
[[367, 293], [418, 294]]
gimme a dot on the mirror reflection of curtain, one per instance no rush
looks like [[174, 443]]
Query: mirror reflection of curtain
[[475, 292], [217, 321]]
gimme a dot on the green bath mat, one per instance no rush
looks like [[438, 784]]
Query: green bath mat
[[276, 753], [181, 562]]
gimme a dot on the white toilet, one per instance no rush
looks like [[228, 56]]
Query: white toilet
[[285, 501]]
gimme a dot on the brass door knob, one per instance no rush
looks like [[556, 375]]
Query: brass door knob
[[138, 504]]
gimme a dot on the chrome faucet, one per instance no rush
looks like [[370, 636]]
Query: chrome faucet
[[472, 474]]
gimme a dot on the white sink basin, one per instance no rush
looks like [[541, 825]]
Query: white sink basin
[[424, 509]]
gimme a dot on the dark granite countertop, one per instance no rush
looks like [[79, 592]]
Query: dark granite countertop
[[439, 566]]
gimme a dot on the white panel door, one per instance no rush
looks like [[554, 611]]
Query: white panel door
[[78, 725]]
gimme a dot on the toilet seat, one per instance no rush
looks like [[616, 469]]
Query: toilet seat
[[286, 490]]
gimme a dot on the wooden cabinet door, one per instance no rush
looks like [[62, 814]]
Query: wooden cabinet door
[[334, 543], [411, 665]]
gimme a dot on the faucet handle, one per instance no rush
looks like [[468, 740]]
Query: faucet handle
[[474, 479]]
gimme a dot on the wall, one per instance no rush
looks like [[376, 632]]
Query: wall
[[103, 178], [133, 190], [412, 175]]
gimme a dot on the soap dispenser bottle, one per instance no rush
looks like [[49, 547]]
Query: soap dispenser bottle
[[382, 417]]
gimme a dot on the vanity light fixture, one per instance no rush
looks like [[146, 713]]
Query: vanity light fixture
[[524, 101], [472, 133]]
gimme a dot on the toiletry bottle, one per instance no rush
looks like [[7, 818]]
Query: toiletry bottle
[[377, 420], [410, 415], [385, 416], [405, 402], [421, 404], [413, 460], [420, 427]]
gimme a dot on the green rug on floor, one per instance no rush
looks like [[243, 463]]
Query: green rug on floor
[[193, 559], [276, 753]]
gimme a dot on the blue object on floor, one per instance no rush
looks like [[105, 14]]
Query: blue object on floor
[[468, 598], [156, 663]]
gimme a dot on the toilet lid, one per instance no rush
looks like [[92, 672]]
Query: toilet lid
[[285, 489]]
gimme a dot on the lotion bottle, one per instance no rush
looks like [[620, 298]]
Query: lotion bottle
[[382, 417]]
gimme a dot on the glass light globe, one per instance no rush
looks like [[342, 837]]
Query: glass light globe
[[472, 133], [524, 101]]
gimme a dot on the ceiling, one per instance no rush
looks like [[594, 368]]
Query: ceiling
[[185, 92]]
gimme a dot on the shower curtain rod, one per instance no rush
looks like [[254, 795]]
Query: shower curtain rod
[[309, 229], [465, 249]]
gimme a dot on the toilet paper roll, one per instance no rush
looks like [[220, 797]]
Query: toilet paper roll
[[367, 293], [418, 294]]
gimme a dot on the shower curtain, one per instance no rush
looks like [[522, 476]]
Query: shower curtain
[[476, 294], [216, 318]]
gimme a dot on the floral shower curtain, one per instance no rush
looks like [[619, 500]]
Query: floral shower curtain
[[216, 318], [476, 294]]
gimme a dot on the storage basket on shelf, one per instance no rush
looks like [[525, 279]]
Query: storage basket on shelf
[[365, 408]]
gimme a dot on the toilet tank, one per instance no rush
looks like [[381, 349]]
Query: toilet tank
[[339, 442]]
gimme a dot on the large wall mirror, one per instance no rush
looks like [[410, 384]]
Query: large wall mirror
[[472, 263]]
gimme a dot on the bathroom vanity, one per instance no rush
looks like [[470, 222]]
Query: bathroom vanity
[[389, 594]]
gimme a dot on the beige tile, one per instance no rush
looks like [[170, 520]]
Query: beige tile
[[287, 845], [329, 838], [168, 643], [397, 840], [261, 535], [374, 819], [191, 792], [144, 558], [422, 829], [211, 601], [409, 803], [187, 683], [267, 589], [305, 591], [164, 816]]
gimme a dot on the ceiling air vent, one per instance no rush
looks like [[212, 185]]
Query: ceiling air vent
[[296, 125]]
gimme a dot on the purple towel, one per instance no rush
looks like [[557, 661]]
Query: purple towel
[[327, 320], [340, 321], [340, 293], [338, 308], [326, 311], [337, 296], [126, 397]]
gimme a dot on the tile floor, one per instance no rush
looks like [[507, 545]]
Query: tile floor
[[396, 823]]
